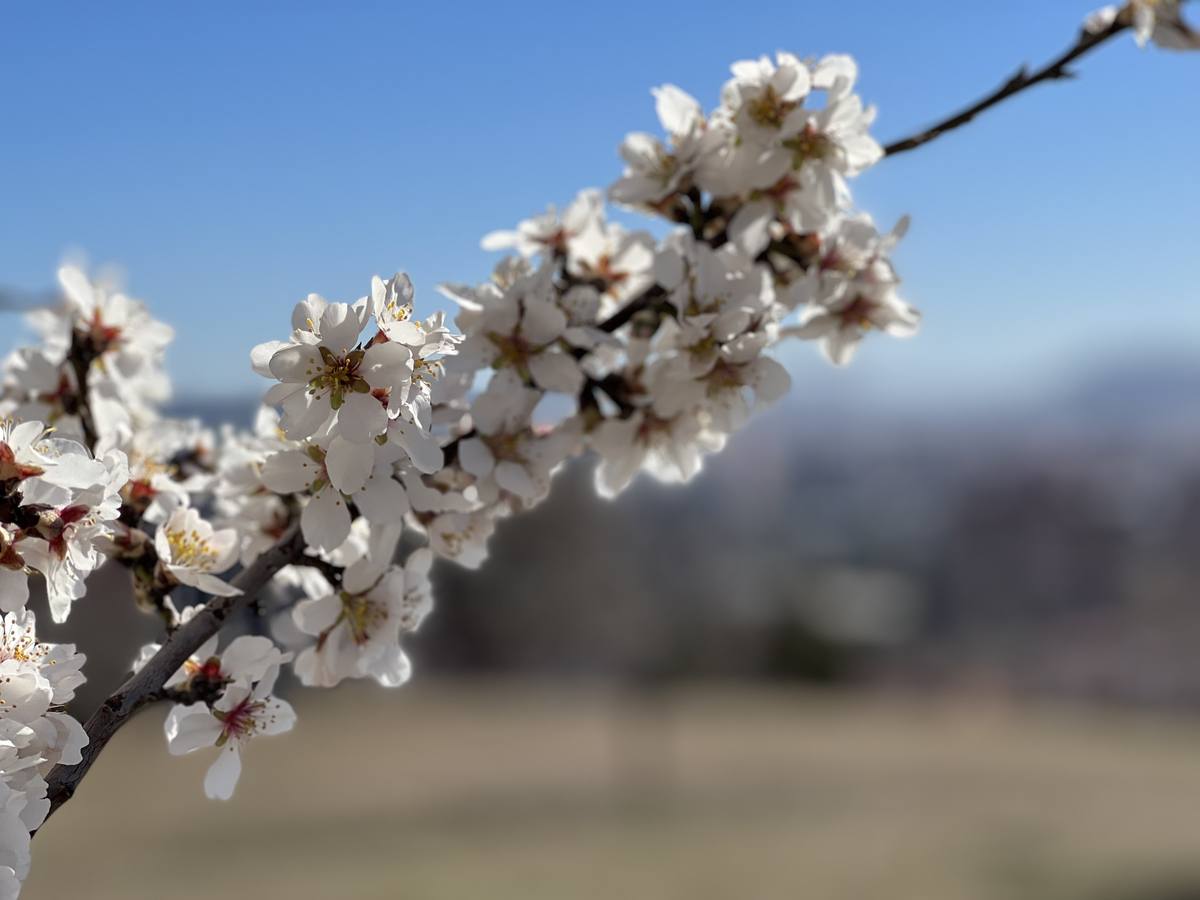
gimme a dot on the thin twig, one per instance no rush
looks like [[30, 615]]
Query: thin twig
[[1023, 80], [146, 685]]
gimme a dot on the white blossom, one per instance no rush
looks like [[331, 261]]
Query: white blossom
[[850, 290], [358, 626], [522, 330], [36, 678], [192, 552], [670, 449], [328, 376], [654, 171], [614, 259], [76, 499], [244, 710], [549, 232]]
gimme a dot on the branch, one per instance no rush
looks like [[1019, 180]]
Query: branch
[[146, 685], [80, 357], [1024, 79], [644, 300]]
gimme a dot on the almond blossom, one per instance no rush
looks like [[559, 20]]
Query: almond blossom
[[358, 626], [507, 451], [549, 232], [242, 712], [655, 171], [117, 339], [35, 736], [614, 259], [192, 552], [65, 513], [327, 375], [332, 480], [522, 330], [670, 449], [850, 290]]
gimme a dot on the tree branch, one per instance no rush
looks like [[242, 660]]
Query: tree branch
[[146, 685], [644, 300], [80, 357], [1056, 69]]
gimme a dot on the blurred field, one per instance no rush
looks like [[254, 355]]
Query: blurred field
[[467, 790]]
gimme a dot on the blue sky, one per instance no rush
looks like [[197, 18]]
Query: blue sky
[[232, 157]]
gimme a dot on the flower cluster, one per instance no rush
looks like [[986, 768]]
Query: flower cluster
[[356, 410], [57, 505], [99, 334], [658, 351], [36, 680]]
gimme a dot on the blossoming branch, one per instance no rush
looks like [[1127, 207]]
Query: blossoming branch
[[377, 423]]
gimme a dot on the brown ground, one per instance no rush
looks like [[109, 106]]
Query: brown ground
[[471, 791]]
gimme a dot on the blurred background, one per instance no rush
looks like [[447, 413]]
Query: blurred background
[[925, 629]]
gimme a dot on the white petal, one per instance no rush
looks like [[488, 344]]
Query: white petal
[[392, 669], [556, 372], [543, 321], [211, 584], [383, 501], [260, 356], [349, 464], [307, 313], [422, 447], [515, 479], [361, 417], [248, 656], [223, 775], [387, 365], [189, 728], [304, 414], [340, 326], [314, 616], [277, 717], [14, 590], [290, 471], [295, 363], [475, 457], [677, 110], [750, 227], [325, 521]]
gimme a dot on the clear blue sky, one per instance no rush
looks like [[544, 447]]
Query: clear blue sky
[[234, 156]]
